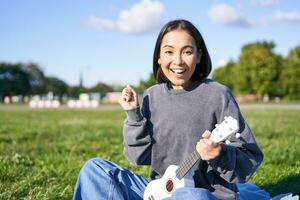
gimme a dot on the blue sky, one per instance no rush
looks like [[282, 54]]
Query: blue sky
[[112, 41]]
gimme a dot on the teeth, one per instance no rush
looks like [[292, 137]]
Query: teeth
[[178, 70]]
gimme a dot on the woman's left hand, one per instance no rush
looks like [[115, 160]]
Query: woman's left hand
[[208, 149]]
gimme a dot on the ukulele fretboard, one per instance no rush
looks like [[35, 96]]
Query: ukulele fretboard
[[187, 164]]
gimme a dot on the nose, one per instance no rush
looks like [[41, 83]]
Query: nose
[[177, 59]]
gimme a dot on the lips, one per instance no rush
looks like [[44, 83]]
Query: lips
[[178, 71]]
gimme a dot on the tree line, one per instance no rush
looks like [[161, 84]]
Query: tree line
[[28, 79], [257, 71], [260, 71]]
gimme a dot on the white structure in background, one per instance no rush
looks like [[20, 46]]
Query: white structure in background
[[7, 100], [113, 97], [85, 101], [44, 104], [47, 102]]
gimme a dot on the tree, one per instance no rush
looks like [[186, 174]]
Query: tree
[[225, 74], [258, 69], [13, 80], [55, 85], [37, 77], [101, 88], [144, 84], [290, 75]]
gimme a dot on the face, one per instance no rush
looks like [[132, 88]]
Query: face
[[178, 58]]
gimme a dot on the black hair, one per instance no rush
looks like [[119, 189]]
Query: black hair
[[203, 68]]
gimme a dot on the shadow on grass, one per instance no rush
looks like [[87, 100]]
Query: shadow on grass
[[286, 185]]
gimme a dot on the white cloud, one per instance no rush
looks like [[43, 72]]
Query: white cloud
[[264, 3], [142, 17], [293, 16], [227, 15]]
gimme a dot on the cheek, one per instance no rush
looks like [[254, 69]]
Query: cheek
[[165, 64], [165, 60], [192, 61], [164, 69]]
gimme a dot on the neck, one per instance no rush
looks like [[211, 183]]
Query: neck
[[183, 86]]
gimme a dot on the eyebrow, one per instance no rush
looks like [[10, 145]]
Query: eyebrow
[[170, 46]]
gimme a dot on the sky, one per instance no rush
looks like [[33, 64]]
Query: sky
[[112, 41]]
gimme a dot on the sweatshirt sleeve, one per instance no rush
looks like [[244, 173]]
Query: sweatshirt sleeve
[[137, 136], [240, 158]]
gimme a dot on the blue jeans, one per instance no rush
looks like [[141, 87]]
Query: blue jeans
[[101, 179]]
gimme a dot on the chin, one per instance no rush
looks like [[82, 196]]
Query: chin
[[180, 83]]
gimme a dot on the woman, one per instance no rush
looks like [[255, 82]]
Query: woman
[[172, 122]]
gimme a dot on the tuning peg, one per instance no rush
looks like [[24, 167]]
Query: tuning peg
[[237, 135], [227, 141]]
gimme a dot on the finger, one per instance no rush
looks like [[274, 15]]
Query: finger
[[125, 95], [206, 134], [133, 93], [129, 88], [211, 143], [207, 142], [124, 92]]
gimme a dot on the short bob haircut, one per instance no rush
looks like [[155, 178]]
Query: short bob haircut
[[202, 69]]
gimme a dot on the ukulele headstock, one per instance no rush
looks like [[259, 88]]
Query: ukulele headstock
[[223, 130]]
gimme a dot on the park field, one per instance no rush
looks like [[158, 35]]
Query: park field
[[42, 151]]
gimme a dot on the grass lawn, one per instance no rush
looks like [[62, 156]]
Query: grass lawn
[[42, 151]]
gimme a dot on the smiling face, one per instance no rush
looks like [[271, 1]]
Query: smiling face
[[178, 58]]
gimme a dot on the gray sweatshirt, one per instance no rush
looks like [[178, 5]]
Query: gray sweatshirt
[[165, 130]]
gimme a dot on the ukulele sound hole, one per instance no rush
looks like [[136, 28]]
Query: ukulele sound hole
[[169, 186]]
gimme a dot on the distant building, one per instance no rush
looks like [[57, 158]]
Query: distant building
[[113, 97], [85, 101]]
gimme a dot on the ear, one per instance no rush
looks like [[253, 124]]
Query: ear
[[159, 61], [199, 55]]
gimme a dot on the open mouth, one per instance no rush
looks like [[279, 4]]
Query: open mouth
[[178, 71]]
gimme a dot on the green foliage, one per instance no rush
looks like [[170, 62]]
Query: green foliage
[[226, 75], [101, 88], [56, 85], [36, 76], [29, 79], [290, 75], [258, 69], [42, 151], [13, 80], [144, 84]]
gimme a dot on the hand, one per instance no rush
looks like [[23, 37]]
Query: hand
[[206, 148], [129, 98]]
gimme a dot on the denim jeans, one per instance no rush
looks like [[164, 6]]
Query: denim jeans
[[104, 180]]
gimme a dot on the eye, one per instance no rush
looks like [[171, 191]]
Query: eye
[[188, 52], [168, 52]]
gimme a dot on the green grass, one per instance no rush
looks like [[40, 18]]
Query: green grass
[[42, 151]]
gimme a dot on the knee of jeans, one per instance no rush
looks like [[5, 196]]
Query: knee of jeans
[[93, 166]]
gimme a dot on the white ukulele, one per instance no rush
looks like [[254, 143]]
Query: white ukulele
[[178, 176]]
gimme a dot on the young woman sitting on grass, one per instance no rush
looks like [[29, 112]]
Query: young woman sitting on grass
[[172, 122]]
